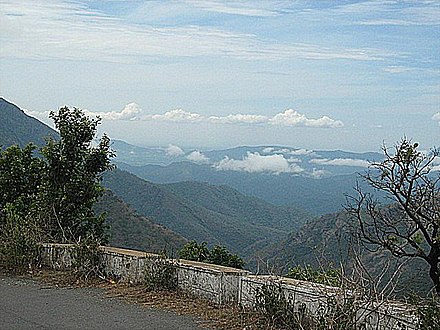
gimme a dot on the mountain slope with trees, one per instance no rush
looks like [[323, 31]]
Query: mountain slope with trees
[[130, 230], [18, 128], [217, 215], [316, 196]]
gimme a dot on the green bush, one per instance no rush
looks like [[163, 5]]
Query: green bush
[[218, 255], [160, 274], [330, 276], [87, 259], [19, 240]]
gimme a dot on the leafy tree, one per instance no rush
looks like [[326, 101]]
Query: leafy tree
[[20, 176], [410, 227], [57, 188], [194, 251], [218, 255], [72, 175]]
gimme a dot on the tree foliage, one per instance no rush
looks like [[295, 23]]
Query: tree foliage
[[218, 255], [410, 226], [57, 187], [71, 185]]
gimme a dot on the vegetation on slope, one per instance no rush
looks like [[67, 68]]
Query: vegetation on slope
[[202, 219], [18, 128], [130, 230]]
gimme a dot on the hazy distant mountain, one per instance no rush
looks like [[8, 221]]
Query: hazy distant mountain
[[317, 196], [252, 159], [18, 128], [215, 214]]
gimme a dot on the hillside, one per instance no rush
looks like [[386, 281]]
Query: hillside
[[18, 128], [316, 196], [217, 215], [326, 241], [127, 228], [130, 230]]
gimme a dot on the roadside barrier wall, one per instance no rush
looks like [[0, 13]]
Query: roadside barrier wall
[[225, 285]]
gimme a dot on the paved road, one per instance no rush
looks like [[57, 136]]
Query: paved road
[[27, 304]]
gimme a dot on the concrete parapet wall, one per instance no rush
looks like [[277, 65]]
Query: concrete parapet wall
[[225, 285]]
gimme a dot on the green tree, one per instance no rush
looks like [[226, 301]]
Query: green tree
[[218, 255], [72, 175], [410, 227], [194, 251], [20, 176]]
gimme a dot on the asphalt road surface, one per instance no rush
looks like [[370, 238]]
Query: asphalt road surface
[[28, 304]]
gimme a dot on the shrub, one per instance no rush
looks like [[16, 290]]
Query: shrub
[[330, 276], [218, 255], [160, 274], [19, 240]]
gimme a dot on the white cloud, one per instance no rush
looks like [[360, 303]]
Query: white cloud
[[289, 118], [198, 157], [294, 118], [340, 162], [436, 117], [302, 152], [238, 119], [267, 150], [317, 174], [130, 112], [174, 151], [254, 162], [177, 115]]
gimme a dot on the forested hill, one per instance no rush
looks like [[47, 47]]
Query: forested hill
[[18, 128], [327, 241], [128, 229], [215, 214]]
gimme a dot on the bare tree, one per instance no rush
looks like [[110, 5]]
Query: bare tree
[[409, 227]]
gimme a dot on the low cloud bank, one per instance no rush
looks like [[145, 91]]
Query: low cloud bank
[[197, 157], [254, 162], [288, 118], [340, 162], [174, 151]]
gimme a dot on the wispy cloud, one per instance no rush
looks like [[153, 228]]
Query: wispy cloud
[[244, 8], [393, 12], [396, 69], [340, 162], [436, 117], [69, 30], [254, 162]]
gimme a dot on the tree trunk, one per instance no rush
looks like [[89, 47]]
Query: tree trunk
[[434, 273]]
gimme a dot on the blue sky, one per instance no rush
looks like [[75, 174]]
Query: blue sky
[[308, 74]]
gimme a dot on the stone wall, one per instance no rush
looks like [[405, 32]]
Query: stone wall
[[225, 285]]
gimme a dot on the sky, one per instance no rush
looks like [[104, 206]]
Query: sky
[[348, 75]]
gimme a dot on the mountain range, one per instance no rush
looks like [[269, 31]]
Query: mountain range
[[244, 198], [214, 214]]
